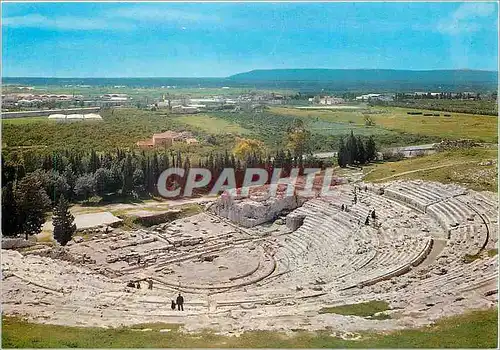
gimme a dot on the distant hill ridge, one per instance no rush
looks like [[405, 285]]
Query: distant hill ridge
[[370, 75]]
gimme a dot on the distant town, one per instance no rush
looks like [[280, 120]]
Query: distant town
[[67, 107]]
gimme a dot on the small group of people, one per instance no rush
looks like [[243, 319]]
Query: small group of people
[[179, 302]]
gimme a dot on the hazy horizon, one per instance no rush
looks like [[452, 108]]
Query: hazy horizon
[[225, 77], [217, 40]]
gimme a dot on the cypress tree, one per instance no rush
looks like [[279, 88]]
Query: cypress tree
[[361, 157], [371, 151], [128, 176], [352, 149], [342, 154], [10, 219], [63, 222], [32, 202]]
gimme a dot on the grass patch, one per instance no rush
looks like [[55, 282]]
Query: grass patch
[[159, 215], [26, 120], [477, 329], [45, 237], [459, 125], [380, 317], [156, 326], [468, 258], [492, 252], [457, 166], [361, 309], [212, 125]]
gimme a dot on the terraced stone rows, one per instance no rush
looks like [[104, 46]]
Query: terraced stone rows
[[385, 263], [300, 271], [458, 274]]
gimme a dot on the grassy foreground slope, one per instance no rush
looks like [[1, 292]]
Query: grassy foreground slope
[[477, 329], [464, 167]]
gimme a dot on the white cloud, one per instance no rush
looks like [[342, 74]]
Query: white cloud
[[118, 19], [466, 19], [155, 14], [62, 23]]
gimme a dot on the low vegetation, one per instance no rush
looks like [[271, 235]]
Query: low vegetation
[[467, 167], [468, 258], [157, 216], [369, 308], [492, 252], [212, 124], [485, 107], [477, 329], [457, 126]]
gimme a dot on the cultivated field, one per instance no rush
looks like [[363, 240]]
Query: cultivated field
[[211, 124], [459, 125]]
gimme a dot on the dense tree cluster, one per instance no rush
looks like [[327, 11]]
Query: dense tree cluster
[[34, 183], [355, 151]]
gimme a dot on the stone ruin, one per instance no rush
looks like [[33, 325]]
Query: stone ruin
[[255, 210], [240, 269]]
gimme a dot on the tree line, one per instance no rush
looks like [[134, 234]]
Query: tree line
[[33, 184]]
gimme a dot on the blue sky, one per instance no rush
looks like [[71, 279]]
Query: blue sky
[[220, 39]]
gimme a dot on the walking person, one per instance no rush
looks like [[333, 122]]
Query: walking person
[[180, 302]]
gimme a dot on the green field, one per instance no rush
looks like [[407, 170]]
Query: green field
[[460, 166], [487, 107], [123, 127], [459, 125], [26, 120], [477, 329], [212, 124]]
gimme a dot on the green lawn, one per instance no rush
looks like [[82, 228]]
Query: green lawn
[[476, 329], [459, 166]]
